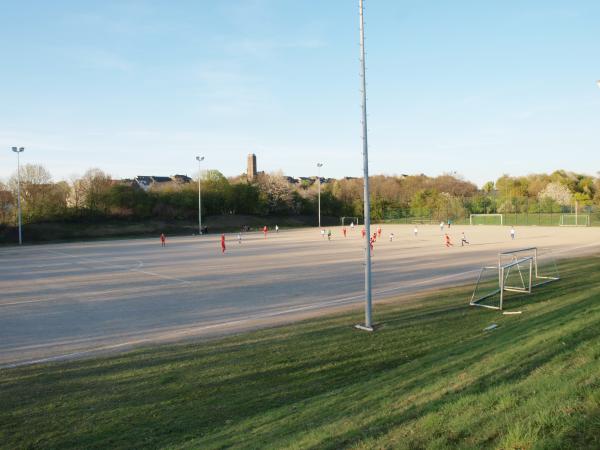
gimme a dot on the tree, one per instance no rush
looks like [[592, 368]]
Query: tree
[[216, 193], [277, 194], [76, 194], [94, 187], [40, 198], [349, 192], [557, 192], [488, 187], [128, 200], [7, 204], [453, 185], [244, 198]]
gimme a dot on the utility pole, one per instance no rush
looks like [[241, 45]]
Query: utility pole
[[368, 325]]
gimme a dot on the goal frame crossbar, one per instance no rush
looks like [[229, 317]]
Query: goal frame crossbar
[[577, 217], [486, 215], [540, 279]]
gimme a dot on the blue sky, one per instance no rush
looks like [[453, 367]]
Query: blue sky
[[141, 87]]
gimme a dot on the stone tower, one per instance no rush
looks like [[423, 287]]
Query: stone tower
[[251, 172]]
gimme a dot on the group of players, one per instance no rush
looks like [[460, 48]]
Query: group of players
[[265, 230], [372, 239]]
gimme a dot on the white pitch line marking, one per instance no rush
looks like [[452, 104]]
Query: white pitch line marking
[[305, 307], [140, 264]]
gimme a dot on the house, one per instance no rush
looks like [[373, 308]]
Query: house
[[124, 182], [181, 179], [146, 182]]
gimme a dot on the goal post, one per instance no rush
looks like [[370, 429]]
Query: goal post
[[486, 219], [516, 271], [515, 276], [574, 220], [348, 220], [428, 220]]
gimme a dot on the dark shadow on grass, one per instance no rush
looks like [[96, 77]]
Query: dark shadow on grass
[[184, 400]]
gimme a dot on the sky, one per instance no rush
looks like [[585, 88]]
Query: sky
[[141, 87]]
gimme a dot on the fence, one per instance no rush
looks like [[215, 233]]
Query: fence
[[516, 211]]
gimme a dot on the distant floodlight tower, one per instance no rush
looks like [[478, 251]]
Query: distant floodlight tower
[[18, 151], [199, 159], [319, 165], [368, 325], [598, 83]]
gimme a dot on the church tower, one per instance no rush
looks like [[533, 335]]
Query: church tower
[[251, 172]]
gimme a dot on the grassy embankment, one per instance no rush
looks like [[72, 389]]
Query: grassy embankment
[[430, 377], [110, 229]]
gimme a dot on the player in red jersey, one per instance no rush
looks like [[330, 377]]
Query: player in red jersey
[[447, 239]]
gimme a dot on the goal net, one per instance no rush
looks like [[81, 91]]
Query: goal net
[[349, 220], [516, 271], [486, 219], [574, 220]]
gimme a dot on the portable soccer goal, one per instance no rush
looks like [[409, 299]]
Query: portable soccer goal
[[486, 219], [574, 220], [424, 221], [348, 220], [516, 271]]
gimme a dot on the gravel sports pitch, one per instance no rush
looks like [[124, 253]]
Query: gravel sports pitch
[[63, 301]]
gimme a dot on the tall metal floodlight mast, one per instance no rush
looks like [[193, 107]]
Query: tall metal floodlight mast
[[368, 326], [199, 159], [18, 151]]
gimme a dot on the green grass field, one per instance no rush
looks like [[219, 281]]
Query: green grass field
[[429, 377]]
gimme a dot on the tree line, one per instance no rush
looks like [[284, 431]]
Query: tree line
[[95, 195]]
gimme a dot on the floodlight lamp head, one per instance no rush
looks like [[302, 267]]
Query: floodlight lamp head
[[200, 158], [319, 164], [598, 83], [18, 150]]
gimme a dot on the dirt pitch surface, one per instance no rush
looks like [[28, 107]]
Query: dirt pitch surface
[[73, 300]]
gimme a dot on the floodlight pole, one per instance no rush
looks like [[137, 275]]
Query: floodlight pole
[[319, 165], [18, 151], [367, 207], [199, 159]]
